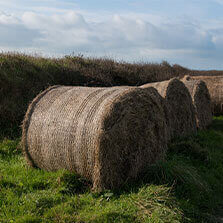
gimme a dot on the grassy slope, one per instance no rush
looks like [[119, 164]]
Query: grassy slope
[[185, 188]]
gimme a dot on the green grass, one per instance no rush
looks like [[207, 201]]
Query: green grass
[[187, 187]]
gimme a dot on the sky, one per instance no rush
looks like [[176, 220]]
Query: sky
[[185, 32]]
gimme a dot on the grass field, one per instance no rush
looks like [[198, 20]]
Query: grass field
[[187, 187]]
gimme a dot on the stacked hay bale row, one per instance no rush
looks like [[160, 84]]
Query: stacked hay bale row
[[180, 113], [201, 100], [109, 135], [215, 87]]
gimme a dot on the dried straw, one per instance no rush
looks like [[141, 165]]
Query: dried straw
[[108, 135], [164, 107], [181, 111], [201, 100], [215, 87]]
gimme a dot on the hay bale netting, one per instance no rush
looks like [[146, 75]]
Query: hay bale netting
[[201, 100], [215, 87], [181, 110], [108, 135]]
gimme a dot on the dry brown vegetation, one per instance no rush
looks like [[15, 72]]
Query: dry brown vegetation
[[215, 87], [107, 135], [180, 112], [201, 101], [22, 77], [110, 135]]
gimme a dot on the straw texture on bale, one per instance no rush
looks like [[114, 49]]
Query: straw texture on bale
[[180, 112], [163, 107], [215, 87], [108, 135], [201, 100]]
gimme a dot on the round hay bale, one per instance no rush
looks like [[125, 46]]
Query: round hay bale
[[181, 111], [161, 102], [215, 87], [202, 102], [108, 135]]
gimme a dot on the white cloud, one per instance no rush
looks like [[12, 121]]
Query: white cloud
[[65, 20], [8, 19], [13, 32], [128, 36]]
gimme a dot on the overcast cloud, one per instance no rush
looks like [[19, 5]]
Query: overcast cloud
[[128, 35]]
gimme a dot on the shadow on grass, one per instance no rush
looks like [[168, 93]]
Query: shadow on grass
[[217, 124], [10, 132], [193, 170], [71, 183]]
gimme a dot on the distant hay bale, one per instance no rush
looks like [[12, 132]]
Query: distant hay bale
[[201, 100], [181, 110], [215, 87], [108, 135]]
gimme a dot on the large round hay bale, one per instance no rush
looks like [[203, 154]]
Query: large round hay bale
[[108, 135], [201, 100], [181, 111], [215, 87]]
